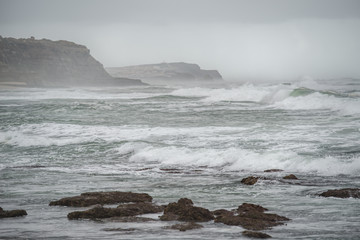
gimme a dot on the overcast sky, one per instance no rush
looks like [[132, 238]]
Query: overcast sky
[[252, 39]]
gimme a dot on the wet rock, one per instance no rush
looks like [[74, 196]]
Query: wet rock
[[252, 234], [251, 217], [221, 212], [121, 211], [291, 177], [342, 193], [12, 213], [185, 226], [93, 198], [246, 207], [273, 170], [250, 180], [184, 210]]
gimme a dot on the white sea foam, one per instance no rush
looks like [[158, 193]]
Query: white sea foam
[[278, 96], [246, 92], [320, 101], [47, 134], [76, 93], [236, 159]]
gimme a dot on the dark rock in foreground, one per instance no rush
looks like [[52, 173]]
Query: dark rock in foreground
[[251, 217], [12, 213], [252, 234], [342, 193], [185, 226], [93, 198], [123, 210], [290, 177], [249, 180], [184, 210]]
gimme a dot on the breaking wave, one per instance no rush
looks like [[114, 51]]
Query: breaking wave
[[236, 159], [282, 96]]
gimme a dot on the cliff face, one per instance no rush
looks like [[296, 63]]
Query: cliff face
[[45, 63], [167, 72]]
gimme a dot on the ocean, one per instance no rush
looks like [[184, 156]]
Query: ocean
[[175, 142]]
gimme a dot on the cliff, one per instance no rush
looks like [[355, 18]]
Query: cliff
[[167, 72], [46, 63]]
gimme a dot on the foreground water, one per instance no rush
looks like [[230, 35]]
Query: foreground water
[[182, 142]]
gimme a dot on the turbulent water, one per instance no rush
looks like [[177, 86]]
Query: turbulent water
[[182, 142]]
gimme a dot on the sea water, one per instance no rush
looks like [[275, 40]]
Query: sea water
[[173, 142]]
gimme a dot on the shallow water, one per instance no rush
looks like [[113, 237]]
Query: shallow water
[[56, 143]]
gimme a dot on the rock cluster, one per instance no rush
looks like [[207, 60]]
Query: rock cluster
[[251, 217]]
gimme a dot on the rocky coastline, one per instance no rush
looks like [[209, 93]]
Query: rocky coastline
[[45, 63], [183, 215], [168, 73]]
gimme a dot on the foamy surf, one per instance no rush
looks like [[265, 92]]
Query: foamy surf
[[174, 143], [237, 159]]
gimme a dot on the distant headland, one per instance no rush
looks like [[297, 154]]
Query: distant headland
[[167, 73], [45, 63]]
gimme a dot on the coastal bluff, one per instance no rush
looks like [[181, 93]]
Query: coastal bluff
[[45, 63], [167, 73]]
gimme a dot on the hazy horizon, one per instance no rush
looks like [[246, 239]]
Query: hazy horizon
[[243, 40]]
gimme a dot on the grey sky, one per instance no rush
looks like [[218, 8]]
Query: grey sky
[[277, 39]]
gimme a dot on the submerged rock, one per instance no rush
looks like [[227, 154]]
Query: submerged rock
[[12, 213], [93, 198], [252, 217], [119, 229], [252, 234], [184, 210], [250, 180], [128, 219], [291, 177], [185, 226], [342, 193], [273, 170], [123, 210]]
